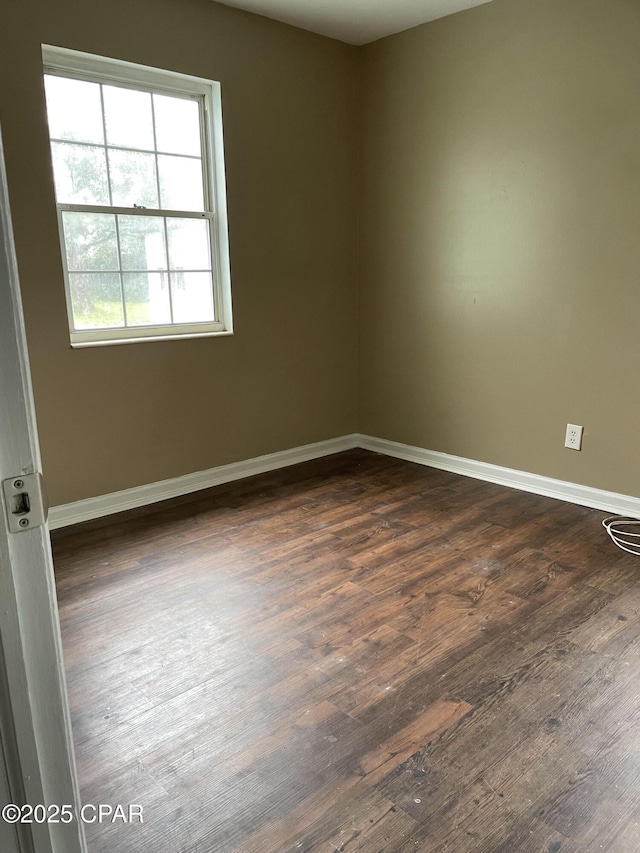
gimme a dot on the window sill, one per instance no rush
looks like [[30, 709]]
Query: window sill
[[108, 342]]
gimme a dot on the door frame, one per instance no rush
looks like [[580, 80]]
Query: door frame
[[35, 724]]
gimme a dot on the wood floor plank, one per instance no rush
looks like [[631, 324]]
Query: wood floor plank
[[402, 744], [356, 654]]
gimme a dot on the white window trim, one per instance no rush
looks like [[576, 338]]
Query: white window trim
[[79, 65]]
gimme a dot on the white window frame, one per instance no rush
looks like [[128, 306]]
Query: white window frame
[[99, 69]]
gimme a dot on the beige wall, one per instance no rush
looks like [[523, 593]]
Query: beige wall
[[115, 417], [499, 244], [500, 294]]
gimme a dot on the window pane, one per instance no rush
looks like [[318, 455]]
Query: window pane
[[180, 183], [147, 298], [73, 109], [80, 173], [128, 117], [96, 301], [188, 244], [142, 245], [90, 241], [133, 179], [177, 125], [191, 297]]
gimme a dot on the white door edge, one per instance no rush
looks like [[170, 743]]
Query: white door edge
[[34, 713]]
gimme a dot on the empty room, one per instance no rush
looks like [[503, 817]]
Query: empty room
[[318, 320]]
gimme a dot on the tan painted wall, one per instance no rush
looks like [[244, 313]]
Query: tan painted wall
[[500, 293], [115, 417], [500, 257]]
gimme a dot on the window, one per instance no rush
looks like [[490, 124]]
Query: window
[[139, 179]]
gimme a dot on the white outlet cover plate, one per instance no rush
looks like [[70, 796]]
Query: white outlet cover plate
[[573, 437]]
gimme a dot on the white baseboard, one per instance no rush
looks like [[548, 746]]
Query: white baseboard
[[90, 508], [525, 482]]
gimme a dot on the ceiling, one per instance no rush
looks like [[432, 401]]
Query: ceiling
[[354, 21]]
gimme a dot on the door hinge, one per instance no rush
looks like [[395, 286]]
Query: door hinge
[[25, 502]]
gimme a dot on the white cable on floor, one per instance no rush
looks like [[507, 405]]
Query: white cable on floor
[[617, 528]]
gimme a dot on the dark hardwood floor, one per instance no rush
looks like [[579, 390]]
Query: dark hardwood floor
[[355, 654]]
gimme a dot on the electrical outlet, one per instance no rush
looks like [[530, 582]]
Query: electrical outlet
[[573, 437]]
